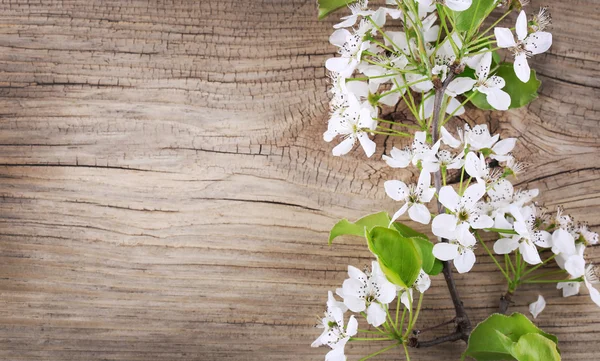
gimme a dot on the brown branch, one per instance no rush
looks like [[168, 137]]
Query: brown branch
[[455, 336], [505, 302], [463, 323]]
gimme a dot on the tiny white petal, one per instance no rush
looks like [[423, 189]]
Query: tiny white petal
[[537, 307]]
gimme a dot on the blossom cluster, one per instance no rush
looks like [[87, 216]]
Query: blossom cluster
[[379, 68], [436, 68], [368, 293]]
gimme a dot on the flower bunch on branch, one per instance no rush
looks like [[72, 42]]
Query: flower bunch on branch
[[440, 57]]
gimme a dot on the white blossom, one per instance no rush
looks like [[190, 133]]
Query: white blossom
[[463, 210], [370, 292], [353, 123], [413, 197], [527, 238], [525, 45], [413, 154], [459, 249], [351, 46], [491, 86], [334, 335]]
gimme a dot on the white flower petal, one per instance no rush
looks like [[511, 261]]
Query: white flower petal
[[376, 314], [336, 354], [498, 98], [445, 251], [464, 235], [483, 68], [460, 85], [539, 42], [474, 166], [444, 225], [575, 265], [504, 146], [472, 195], [537, 307], [397, 190], [356, 274], [448, 139], [569, 288], [352, 328], [482, 221], [458, 5], [449, 198], [530, 253], [594, 295], [563, 242], [465, 261], [339, 37], [521, 27], [344, 147], [419, 213], [355, 304], [338, 65], [522, 69], [504, 37], [387, 291], [367, 144], [349, 21], [506, 245], [399, 213], [359, 88]]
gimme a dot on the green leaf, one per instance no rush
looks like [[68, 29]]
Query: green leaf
[[423, 245], [327, 6], [520, 93], [437, 268], [344, 227], [535, 347], [470, 19], [494, 338], [397, 255]]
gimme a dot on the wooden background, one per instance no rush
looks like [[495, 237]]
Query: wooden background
[[166, 193]]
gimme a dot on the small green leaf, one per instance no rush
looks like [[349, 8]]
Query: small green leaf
[[520, 93], [397, 255], [406, 231], [535, 347], [327, 6], [470, 19], [422, 243], [437, 268], [344, 227], [494, 338]]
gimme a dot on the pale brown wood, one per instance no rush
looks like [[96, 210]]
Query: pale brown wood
[[166, 194]]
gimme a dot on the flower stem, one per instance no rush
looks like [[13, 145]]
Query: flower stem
[[370, 339], [406, 351], [492, 256], [379, 352]]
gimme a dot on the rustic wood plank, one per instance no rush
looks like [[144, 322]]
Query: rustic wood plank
[[166, 194]]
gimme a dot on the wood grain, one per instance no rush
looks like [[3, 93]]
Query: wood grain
[[166, 194]]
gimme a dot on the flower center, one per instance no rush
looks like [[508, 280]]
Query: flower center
[[463, 215]]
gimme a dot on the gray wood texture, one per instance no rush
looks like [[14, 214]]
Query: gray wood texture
[[166, 193]]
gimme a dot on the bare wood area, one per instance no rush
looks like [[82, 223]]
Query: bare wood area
[[166, 193]]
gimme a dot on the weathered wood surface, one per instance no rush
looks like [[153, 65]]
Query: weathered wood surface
[[166, 194]]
